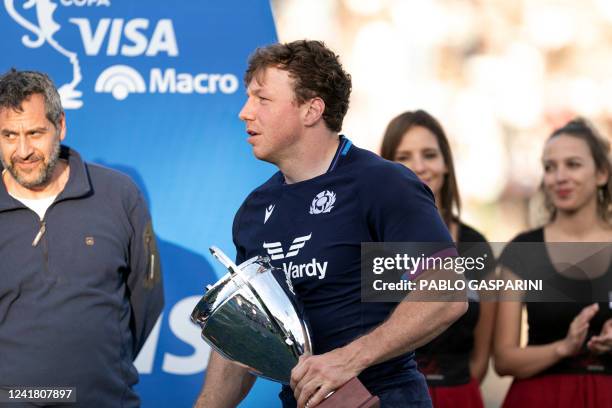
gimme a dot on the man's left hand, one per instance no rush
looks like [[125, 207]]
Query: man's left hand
[[314, 377]]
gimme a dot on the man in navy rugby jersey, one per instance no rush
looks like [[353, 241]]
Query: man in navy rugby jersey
[[311, 217]]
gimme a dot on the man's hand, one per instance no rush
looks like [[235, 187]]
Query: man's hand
[[412, 324], [314, 377], [602, 343]]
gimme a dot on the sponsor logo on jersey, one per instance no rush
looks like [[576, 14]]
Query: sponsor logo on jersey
[[323, 202], [309, 269], [294, 270], [275, 249]]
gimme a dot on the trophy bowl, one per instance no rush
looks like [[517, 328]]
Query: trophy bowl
[[251, 317]]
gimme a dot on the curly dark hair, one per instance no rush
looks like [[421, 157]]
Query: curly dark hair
[[17, 86], [316, 72]]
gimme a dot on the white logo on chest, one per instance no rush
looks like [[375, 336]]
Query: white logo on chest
[[269, 211], [295, 271], [310, 269], [275, 249], [323, 202]]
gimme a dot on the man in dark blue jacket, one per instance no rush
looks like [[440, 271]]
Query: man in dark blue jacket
[[80, 282]]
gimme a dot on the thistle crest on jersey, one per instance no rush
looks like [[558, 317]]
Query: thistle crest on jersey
[[323, 202]]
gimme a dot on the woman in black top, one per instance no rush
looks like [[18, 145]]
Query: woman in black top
[[456, 361], [567, 360]]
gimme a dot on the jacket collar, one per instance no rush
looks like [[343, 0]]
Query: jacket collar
[[78, 184]]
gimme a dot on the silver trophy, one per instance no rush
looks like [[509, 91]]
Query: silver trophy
[[251, 317]]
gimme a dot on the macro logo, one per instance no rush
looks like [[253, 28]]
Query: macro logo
[[120, 81], [111, 40]]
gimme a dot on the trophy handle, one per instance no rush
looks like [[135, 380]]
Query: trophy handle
[[224, 259]]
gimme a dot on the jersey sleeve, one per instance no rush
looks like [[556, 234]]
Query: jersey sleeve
[[399, 207], [144, 280]]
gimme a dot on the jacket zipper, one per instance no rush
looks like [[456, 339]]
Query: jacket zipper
[[152, 267], [41, 232], [151, 255], [40, 237]]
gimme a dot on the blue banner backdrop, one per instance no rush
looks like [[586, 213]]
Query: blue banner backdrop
[[154, 89]]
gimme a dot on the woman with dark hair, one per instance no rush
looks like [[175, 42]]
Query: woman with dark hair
[[567, 361], [456, 361]]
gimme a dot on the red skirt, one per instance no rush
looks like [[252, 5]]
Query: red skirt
[[560, 391], [464, 396]]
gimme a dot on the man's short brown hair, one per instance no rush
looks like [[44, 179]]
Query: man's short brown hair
[[316, 72]]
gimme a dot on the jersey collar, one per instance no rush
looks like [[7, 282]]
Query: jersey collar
[[343, 148]]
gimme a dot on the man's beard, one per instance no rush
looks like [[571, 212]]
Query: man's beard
[[45, 174]]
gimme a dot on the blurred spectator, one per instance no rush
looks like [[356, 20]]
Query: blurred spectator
[[567, 360], [456, 361]]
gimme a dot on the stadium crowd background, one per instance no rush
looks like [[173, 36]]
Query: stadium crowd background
[[500, 75]]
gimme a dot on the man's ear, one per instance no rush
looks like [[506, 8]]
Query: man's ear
[[62, 126], [314, 112]]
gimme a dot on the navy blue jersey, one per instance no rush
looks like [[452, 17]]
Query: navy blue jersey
[[313, 230]]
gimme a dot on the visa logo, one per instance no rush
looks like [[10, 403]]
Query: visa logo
[[183, 330], [129, 38]]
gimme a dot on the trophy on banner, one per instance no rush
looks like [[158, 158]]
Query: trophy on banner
[[44, 32], [251, 317]]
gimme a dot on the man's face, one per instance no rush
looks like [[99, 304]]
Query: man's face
[[272, 115], [30, 143]]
